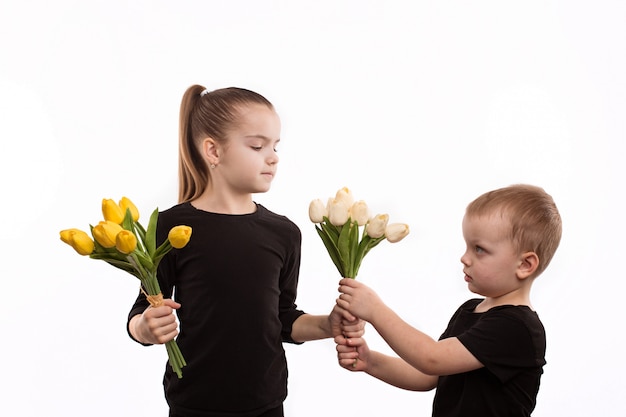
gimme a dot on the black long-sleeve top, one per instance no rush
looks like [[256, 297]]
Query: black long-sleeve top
[[236, 281]]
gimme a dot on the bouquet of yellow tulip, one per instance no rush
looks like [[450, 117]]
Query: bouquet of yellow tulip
[[121, 241], [338, 223]]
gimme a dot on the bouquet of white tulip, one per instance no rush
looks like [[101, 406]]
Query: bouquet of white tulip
[[338, 224]]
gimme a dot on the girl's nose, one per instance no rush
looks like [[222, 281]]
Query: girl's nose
[[273, 158]]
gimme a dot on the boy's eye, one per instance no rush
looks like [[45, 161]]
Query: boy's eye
[[478, 249]]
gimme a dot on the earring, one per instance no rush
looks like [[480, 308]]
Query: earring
[[212, 166]]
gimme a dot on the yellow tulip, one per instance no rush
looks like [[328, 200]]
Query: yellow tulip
[[345, 195], [375, 228], [79, 240], [359, 212], [317, 211], [395, 232], [112, 211], [105, 233], [179, 236], [338, 212], [125, 204], [125, 241]]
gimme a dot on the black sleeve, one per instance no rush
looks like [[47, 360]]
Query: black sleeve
[[503, 343], [288, 311]]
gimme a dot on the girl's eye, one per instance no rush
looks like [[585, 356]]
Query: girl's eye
[[257, 148]]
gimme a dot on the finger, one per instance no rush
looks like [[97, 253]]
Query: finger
[[354, 335], [342, 303], [349, 364]]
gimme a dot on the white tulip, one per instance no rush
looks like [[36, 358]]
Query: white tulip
[[395, 232], [338, 212], [346, 196], [317, 211], [375, 228], [360, 213]]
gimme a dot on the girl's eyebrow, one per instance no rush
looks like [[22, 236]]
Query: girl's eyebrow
[[262, 137]]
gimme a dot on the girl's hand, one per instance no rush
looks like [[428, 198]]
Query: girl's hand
[[157, 325], [352, 353], [344, 323]]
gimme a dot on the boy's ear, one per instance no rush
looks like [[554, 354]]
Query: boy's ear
[[529, 262], [210, 150]]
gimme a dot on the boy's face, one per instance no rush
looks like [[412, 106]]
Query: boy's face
[[490, 261]]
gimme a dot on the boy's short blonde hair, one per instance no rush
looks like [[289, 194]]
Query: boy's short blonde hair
[[535, 221]]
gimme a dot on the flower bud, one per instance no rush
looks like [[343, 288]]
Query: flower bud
[[111, 211], [345, 195], [179, 236], [79, 240], [360, 213], [105, 233], [317, 211], [125, 241], [395, 232], [338, 212], [375, 228], [125, 204]]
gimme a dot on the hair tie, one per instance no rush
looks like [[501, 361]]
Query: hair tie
[[204, 92]]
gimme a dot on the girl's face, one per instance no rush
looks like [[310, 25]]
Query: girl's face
[[490, 261], [248, 162]]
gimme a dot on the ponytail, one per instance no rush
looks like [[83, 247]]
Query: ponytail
[[192, 170]]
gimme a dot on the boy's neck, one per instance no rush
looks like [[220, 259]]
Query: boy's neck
[[520, 297]]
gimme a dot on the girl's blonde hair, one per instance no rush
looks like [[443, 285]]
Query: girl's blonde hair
[[534, 219], [205, 114]]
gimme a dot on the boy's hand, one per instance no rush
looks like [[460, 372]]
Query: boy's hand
[[352, 353], [157, 325], [358, 299]]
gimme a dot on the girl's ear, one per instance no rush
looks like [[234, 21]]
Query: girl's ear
[[210, 151], [529, 262]]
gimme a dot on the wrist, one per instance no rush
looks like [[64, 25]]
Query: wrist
[[133, 327]]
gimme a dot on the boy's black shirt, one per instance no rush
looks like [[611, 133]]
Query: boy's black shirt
[[510, 342]]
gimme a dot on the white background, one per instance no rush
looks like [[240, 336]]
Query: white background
[[417, 107]]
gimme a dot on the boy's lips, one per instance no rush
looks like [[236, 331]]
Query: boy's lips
[[467, 277]]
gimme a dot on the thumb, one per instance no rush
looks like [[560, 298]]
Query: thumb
[[171, 303]]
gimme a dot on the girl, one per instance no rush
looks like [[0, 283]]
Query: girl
[[235, 283]]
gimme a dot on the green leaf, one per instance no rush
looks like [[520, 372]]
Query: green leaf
[[127, 223], [331, 247], [331, 230], [140, 232], [344, 245], [145, 260], [366, 244], [150, 240], [160, 252]]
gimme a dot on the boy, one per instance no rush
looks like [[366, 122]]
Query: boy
[[489, 360]]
